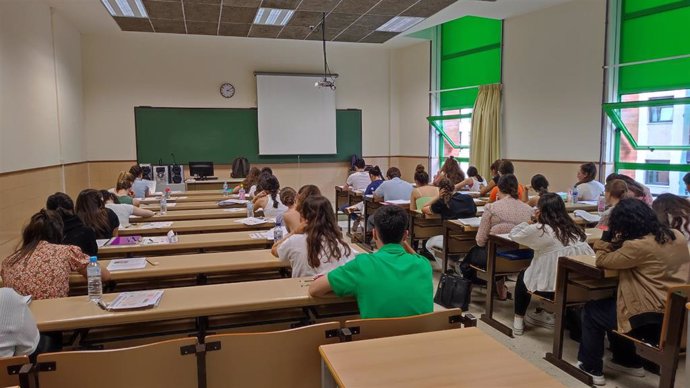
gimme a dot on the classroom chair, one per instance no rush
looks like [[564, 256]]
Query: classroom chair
[[159, 365], [9, 370], [673, 334], [287, 358], [362, 329]]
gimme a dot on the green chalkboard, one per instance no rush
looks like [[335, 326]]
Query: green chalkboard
[[221, 135]]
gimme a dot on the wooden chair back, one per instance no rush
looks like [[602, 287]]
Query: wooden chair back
[[685, 290], [288, 358], [9, 370], [158, 365], [362, 329]]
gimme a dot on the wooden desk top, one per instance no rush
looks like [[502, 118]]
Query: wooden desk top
[[571, 207], [422, 360], [175, 207], [188, 242], [590, 262], [211, 181], [191, 193], [204, 214], [593, 234], [187, 199], [184, 302], [206, 263], [192, 226]]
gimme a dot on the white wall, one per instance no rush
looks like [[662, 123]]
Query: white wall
[[128, 69], [553, 80], [29, 124]]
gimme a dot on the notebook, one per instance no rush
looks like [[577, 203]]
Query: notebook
[[134, 300], [124, 240]]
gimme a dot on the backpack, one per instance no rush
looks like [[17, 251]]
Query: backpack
[[240, 167]]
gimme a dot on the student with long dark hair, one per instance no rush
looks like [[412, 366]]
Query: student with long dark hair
[[41, 266], [293, 221], [540, 185], [650, 258], [451, 170], [249, 183], [551, 234], [268, 199], [506, 168], [93, 213], [588, 188], [74, 231], [319, 247], [673, 212], [494, 178], [474, 182], [424, 192]]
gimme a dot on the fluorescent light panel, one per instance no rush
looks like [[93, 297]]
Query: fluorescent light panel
[[399, 24], [126, 8], [273, 16]]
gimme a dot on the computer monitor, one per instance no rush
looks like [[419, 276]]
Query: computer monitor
[[201, 169]]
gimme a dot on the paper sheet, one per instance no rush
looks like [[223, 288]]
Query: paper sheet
[[101, 242], [127, 264], [472, 221], [155, 240], [226, 202], [235, 210], [151, 225], [587, 216], [251, 221], [136, 300], [398, 202]]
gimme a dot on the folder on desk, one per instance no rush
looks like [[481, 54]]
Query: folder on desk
[[472, 221], [135, 300], [124, 240]]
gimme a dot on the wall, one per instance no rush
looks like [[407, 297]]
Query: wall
[[553, 80]]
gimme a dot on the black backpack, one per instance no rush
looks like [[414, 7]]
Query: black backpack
[[240, 167]]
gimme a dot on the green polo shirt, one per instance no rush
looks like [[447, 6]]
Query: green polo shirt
[[387, 283]]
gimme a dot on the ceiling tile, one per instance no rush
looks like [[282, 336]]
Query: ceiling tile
[[163, 9], [355, 6], [202, 2], [201, 12], [294, 32], [287, 4], [379, 37], [318, 5], [242, 3], [340, 20], [169, 26], [372, 22], [133, 24], [392, 7], [262, 31], [238, 15], [234, 29], [353, 34], [330, 34], [305, 19], [426, 8], [202, 28]]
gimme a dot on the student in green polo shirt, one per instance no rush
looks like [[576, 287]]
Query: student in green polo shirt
[[392, 282]]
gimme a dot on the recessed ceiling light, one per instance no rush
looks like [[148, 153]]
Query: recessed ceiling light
[[127, 8], [400, 24], [273, 16]]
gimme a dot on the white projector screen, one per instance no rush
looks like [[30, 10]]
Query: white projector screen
[[295, 117]]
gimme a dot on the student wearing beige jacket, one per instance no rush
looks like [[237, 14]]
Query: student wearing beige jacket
[[650, 258]]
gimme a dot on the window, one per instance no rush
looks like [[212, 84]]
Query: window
[[661, 114], [657, 178]]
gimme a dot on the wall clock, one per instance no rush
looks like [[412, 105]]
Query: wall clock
[[227, 90]]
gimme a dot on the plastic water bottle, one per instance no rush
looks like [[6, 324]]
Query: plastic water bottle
[[601, 204], [95, 284], [164, 205], [225, 189], [250, 209], [278, 231], [575, 195], [242, 193]]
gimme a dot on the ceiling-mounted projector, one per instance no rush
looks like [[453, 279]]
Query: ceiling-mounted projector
[[324, 83]]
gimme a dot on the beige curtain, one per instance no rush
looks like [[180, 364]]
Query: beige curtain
[[485, 145]]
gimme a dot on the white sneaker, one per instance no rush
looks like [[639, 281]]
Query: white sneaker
[[541, 319], [518, 326], [596, 379], [637, 372]]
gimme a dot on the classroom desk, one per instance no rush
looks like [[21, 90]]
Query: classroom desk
[[370, 206], [196, 265], [191, 193], [187, 199], [571, 207], [423, 226], [184, 215], [448, 358], [344, 197], [193, 226], [189, 242], [569, 268], [76, 312], [175, 207], [458, 239], [510, 266], [216, 184]]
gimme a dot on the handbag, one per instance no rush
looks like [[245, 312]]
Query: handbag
[[453, 292]]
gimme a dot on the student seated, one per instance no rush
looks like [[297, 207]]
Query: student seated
[[268, 199], [451, 170], [450, 206], [588, 189], [635, 188], [140, 186], [74, 231], [41, 267], [392, 282], [123, 210], [499, 217], [394, 189], [540, 185], [673, 212], [614, 191], [424, 192], [123, 190], [358, 180], [474, 181], [249, 183], [93, 213], [686, 180], [551, 234], [18, 332], [505, 168], [650, 258], [288, 198], [376, 178], [484, 191], [318, 247], [292, 219]]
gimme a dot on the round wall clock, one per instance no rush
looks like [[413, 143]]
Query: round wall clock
[[227, 90]]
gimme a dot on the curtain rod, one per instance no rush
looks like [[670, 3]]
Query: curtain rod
[[461, 88], [648, 61]]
